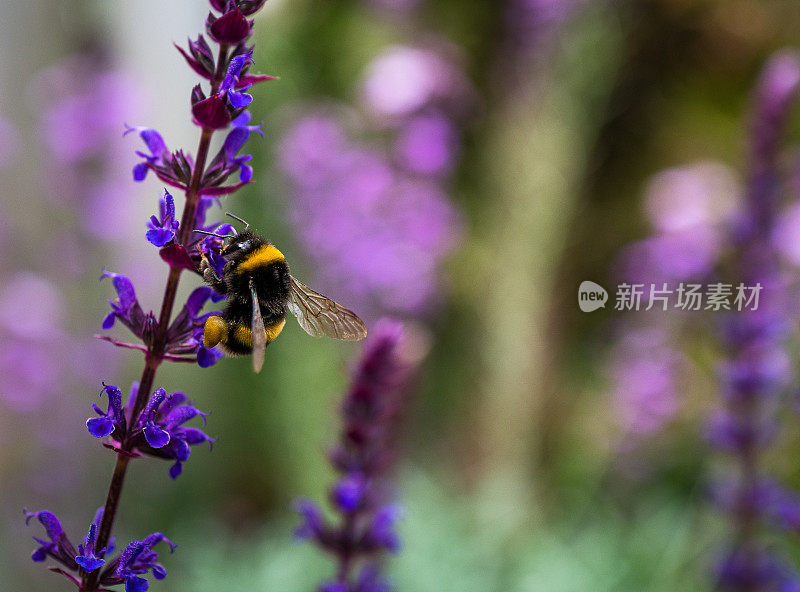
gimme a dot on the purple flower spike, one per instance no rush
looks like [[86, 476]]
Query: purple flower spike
[[164, 228], [371, 413], [151, 422]]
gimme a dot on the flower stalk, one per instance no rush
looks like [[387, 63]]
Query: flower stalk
[[152, 421]]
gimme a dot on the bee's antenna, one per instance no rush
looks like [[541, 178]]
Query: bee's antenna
[[246, 224], [215, 234]]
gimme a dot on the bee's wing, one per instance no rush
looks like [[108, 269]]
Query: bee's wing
[[320, 316], [259, 333]]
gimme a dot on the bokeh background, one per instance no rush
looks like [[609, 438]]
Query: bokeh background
[[461, 166]]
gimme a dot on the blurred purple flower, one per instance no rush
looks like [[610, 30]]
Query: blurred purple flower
[[690, 208], [381, 251], [371, 413], [31, 369], [645, 371], [426, 144], [404, 79], [80, 103], [756, 370]]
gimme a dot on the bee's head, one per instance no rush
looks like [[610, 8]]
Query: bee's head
[[240, 245]]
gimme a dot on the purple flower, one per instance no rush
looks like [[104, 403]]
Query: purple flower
[[102, 426], [164, 228], [645, 372], [334, 587], [125, 307], [200, 58], [185, 335], [349, 493], [159, 154], [382, 532], [229, 88], [59, 546], [371, 580], [312, 526], [165, 436], [159, 429], [226, 162], [756, 370], [210, 113], [136, 560], [152, 422], [88, 559]]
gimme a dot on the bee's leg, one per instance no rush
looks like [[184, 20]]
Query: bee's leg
[[210, 276], [215, 331]]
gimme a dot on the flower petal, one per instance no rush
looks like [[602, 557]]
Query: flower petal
[[207, 357], [99, 427], [155, 436], [89, 563], [160, 236]]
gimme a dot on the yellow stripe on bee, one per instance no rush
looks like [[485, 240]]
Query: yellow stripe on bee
[[244, 335], [275, 329], [262, 256]]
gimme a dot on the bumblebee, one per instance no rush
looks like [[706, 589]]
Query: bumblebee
[[260, 291]]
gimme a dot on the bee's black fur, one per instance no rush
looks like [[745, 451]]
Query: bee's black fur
[[271, 282]]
